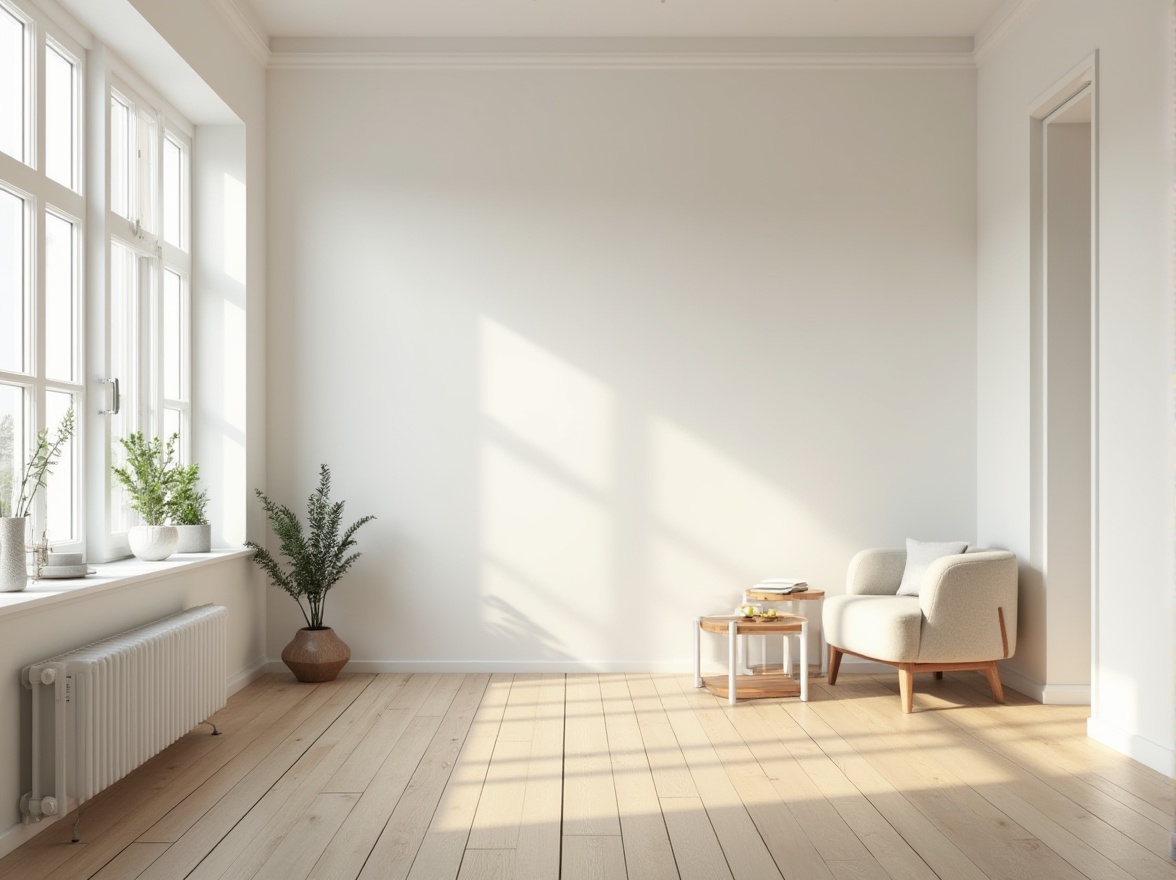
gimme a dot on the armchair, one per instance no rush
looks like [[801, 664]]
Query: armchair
[[964, 616]]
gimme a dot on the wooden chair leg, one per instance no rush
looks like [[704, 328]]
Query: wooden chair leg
[[906, 687], [993, 676], [834, 664]]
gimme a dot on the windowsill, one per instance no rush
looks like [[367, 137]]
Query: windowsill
[[108, 577]]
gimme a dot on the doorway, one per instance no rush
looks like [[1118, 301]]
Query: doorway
[[1065, 399]]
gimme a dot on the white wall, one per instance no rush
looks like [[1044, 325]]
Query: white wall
[[1132, 685], [601, 348]]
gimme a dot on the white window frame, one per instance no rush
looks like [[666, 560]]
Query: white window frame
[[143, 235], [43, 195]]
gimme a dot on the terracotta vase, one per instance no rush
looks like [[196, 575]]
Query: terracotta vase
[[316, 654]]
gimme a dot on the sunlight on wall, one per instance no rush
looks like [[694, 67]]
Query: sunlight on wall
[[547, 550], [546, 403], [1118, 693], [234, 229], [233, 401], [546, 466], [233, 365]]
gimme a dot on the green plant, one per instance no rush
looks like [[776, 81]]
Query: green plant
[[187, 503], [150, 475], [316, 559], [46, 451]]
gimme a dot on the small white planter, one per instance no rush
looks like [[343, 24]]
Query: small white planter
[[195, 539], [153, 543]]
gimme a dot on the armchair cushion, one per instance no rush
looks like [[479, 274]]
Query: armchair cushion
[[883, 627], [919, 555]]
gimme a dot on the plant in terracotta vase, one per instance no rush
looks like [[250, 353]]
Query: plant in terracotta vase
[[150, 476], [316, 558], [14, 515], [186, 510]]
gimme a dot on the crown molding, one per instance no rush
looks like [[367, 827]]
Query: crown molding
[[997, 29], [247, 28], [614, 54], [477, 61]]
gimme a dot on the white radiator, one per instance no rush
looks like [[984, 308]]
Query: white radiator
[[101, 710]]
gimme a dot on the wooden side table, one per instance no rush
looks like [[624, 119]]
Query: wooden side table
[[764, 684], [773, 599]]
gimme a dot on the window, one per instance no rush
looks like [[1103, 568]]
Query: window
[[143, 295], [147, 300], [41, 207], [14, 73]]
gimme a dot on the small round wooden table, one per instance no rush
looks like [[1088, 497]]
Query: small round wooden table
[[774, 597], [763, 684]]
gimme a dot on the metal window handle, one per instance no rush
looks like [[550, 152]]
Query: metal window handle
[[113, 411]]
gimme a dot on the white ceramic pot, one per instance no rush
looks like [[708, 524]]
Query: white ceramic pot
[[195, 539], [13, 576], [153, 543]]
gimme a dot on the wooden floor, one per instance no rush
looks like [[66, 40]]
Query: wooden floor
[[612, 776]]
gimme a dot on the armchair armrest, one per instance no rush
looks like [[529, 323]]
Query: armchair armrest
[[876, 572], [969, 605]]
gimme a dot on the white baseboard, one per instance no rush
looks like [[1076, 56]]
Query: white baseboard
[[15, 835], [1048, 694], [1160, 758], [249, 674], [682, 666]]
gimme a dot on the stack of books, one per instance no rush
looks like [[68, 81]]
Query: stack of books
[[783, 586]]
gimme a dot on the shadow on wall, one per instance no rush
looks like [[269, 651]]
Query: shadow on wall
[[517, 634]]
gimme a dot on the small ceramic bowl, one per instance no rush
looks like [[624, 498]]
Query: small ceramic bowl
[[65, 558]]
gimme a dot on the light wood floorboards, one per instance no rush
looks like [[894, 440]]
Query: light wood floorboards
[[532, 776]]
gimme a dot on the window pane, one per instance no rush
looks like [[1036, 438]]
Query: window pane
[[143, 162], [60, 115], [13, 113], [173, 192], [60, 311], [173, 336], [12, 448], [124, 287], [60, 491], [173, 423], [120, 158], [13, 300]]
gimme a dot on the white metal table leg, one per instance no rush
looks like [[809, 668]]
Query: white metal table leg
[[804, 667], [732, 642], [698, 652]]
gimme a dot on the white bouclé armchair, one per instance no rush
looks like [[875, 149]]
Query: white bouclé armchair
[[963, 617]]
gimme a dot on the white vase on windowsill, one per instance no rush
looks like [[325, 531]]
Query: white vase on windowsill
[[13, 577], [153, 543]]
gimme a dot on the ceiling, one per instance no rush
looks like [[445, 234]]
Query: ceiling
[[623, 18]]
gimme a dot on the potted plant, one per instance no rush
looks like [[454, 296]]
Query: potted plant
[[317, 558], [149, 478], [13, 525], [186, 511]]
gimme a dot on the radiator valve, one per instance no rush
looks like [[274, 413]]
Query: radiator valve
[[34, 809]]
